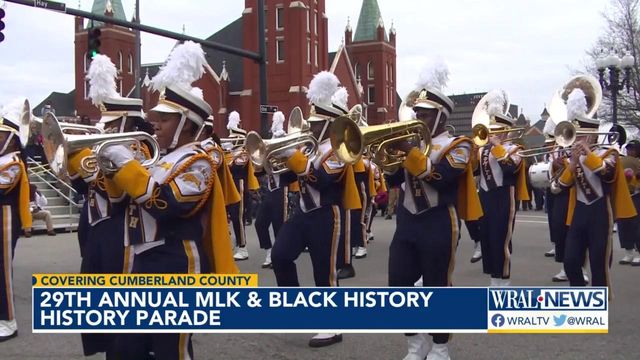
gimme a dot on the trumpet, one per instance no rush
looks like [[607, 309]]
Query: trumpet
[[58, 146], [481, 134], [349, 141]]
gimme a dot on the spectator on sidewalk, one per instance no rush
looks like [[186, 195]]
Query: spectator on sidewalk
[[38, 201]]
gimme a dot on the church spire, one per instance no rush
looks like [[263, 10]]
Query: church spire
[[368, 22]]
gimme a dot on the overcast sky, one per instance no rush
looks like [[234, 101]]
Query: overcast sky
[[529, 48]]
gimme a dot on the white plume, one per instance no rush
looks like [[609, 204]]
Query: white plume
[[341, 98], [576, 104], [549, 127], [496, 101], [277, 124], [102, 79], [13, 110], [322, 87], [434, 75], [234, 120], [197, 92], [184, 65]]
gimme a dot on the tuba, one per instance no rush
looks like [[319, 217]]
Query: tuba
[[58, 146], [272, 154], [481, 121], [566, 132]]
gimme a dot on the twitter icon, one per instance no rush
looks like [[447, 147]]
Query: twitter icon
[[559, 320]]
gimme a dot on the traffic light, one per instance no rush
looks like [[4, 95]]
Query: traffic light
[[94, 42], [2, 13]]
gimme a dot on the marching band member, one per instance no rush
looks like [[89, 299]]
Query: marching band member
[[375, 185], [502, 182], [245, 181], [353, 232], [325, 184], [102, 237], [629, 229], [175, 221], [435, 191], [557, 199], [598, 193], [14, 209], [274, 208], [210, 142]]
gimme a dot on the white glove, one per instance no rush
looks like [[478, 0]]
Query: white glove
[[117, 154]]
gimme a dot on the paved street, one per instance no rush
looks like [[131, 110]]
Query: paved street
[[60, 255]]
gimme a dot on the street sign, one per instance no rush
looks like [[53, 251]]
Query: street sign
[[50, 5], [265, 109]]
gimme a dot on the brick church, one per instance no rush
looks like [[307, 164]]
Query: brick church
[[297, 48]]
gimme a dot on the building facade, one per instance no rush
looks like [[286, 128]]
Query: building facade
[[297, 48]]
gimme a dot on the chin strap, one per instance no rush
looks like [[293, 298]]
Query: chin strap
[[176, 135], [324, 130], [6, 143]]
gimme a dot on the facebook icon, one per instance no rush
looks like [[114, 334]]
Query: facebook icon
[[497, 320]]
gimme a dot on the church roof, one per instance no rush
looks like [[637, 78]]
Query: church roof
[[64, 104], [368, 22]]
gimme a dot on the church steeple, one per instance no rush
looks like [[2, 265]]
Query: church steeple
[[368, 22]]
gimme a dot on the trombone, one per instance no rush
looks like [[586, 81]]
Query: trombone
[[481, 133], [482, 119], [565, 135]]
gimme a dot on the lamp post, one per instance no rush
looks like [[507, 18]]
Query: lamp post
[[613, 64]]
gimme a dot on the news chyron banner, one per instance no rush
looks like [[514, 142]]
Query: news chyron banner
[[73, 303]]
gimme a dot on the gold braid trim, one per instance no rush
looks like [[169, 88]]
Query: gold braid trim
[[210, 181]]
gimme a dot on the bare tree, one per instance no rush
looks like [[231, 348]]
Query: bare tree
[[622, 35]]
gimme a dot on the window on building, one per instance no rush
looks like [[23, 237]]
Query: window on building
[[371, 95], [86, 62], [386, 96], [315, 23], [308, 51], [386, 68], [279, 18], [86, 89], [315, 53], [370, 71], [119, 61], [266, 20], [390, 72], [308, 23], [356, 70], [280, 50], [266, 52], [130, 64], [119, 89]]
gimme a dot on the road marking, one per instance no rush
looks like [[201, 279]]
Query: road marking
[[532, 221]]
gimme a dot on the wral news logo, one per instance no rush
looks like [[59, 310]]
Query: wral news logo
[[526, 299], [547, 310]]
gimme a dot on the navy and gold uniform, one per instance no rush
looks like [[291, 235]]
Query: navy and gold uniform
[[629, 229], [435, 191], [245, 181], [14, 210], [175, 219], [353, 233], [558, 203], [318, 225], [598, 195], [502, 181], [273, 209]]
